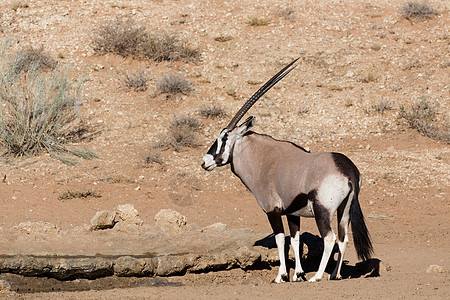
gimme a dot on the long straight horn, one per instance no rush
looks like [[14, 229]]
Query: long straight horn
[[259, 93]]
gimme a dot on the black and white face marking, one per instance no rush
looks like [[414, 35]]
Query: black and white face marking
[[219, 153]]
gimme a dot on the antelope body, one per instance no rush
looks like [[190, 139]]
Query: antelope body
[[287, 180]]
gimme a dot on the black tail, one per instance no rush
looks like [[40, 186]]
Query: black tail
[[361, 236]]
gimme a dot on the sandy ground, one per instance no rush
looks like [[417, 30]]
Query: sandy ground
[[353, 57]]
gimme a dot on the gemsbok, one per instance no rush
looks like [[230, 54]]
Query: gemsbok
[[287, 180]]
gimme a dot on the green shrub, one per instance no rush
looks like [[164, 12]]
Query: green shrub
[[38, 107]]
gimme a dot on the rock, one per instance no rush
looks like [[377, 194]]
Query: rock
[[170, 220], [435, 269], [103, 219], [127, 213], [215, 227], [38, 227], [5, 287], [59, 268], [128, 227], [129, 266]]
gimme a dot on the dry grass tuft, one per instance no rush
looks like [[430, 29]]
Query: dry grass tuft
[[126, 38], [173, 84], [258, 21], [286, 13], [382, 106], [151, 157], [78, 194], [38, 107], [35, 58], [137, 81], [213, 111], [422, 117], [418, 11], [182, 133]]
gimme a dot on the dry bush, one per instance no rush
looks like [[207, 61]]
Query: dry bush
[[182, 133], [35, 58], [150, 157], [38, 107], [286, 13], [213, 111], [137, 81], [382, 106], [223, 38], [173, 84], [78, 194], [422, 117], [126, 38], [418, 11], [258, 21]]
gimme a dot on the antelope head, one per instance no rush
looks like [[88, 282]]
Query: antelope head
[[220, 152]]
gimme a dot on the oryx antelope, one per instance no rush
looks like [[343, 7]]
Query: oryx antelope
[[287, 180]]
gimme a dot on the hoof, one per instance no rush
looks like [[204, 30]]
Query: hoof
[[314, 279], [299, 277], [280, 279], [333, 277]]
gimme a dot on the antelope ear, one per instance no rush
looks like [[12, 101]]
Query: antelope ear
[[245, 126]]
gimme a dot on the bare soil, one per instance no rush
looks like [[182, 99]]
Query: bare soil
[[353, 55]]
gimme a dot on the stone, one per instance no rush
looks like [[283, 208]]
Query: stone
[[127, 213], [103, 219], [170, 217], [435, 269], [129, 266], [5, 287], [215, 227]]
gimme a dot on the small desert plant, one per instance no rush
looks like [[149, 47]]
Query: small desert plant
[[33, 57], [80, 194], [382, 106], [422, 117], [182, 133], [150, 157], [126, 38], [418, 11], [38, 107], [258, 21], [223, 38], [137, 81], [173, 84], [213, 111], [286, 13]]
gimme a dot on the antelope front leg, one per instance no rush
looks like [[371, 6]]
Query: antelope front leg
[[277, 227]]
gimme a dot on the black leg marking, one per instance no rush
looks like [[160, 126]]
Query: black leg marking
[[294, 224], [322, 216], [275, 221]]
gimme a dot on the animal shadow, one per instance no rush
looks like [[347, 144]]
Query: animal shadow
[[311, 261]]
